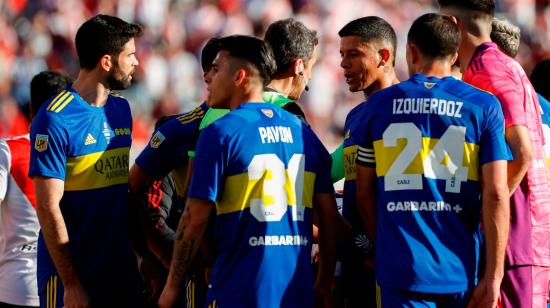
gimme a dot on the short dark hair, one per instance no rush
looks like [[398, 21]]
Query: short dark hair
[[540, 78], [371, 28], [486, 7], [103, 35], [208, 53], [252, 50], [435, 35], [44, 85], [290, 40]]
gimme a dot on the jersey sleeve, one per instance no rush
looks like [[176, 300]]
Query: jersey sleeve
[[365, 147], [338, 164], [4, 168], [208, 168], [323, 178], [493, 143], [510, 94], [168, 147], [210, 117], [49, 143]]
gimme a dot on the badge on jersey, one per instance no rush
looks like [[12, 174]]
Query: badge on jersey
[[268, 113], [41, 143], [157, 139]]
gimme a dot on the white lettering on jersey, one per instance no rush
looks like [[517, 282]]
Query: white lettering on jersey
[[274, 134], [427, 106], [278, 240], [422, 206]]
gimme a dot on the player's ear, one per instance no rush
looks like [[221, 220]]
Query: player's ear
[[454, 58], [412, 54], [241, 75], [106, 63], [385, 55], [298, 67]]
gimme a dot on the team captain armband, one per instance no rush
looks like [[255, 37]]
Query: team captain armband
[[365, 157]]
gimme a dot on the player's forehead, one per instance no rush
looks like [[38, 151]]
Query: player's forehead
[[356, 43], [222, 58]]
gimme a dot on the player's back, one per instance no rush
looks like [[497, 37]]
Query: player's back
[[269, 161], [427, 138]]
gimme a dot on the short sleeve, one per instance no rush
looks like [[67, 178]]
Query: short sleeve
[[365, 147], [510, 92], [338, 163], [4, 168], [209, 165], [323, 172], [168, 147], [49, 144], [493, 143]]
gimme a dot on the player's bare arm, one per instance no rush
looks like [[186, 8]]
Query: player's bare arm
[[518, 140], [191, 229], [48, 194], [496, 217]]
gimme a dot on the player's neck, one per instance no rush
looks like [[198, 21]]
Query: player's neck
[[91, 89], [468, 47], [385, 81], [283, 86], [434, 68], [251, 96]]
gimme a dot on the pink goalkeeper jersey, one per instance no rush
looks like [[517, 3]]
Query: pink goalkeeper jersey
[[493, 71]]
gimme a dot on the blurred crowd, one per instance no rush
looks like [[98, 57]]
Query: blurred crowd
[[39, 34]]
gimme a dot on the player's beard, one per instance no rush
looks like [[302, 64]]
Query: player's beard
[[117, 80]]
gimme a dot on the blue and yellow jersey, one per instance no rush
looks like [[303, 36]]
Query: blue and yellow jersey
[[545, 115], [87, 147], [170, 144], [349, 207], [427, 138], [261, 166]]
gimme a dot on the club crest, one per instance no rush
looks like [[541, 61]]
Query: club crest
[[268, 113]]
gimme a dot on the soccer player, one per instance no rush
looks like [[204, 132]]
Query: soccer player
[[367, 48], [79, 161], [18, 222], [295, 50], [426, 145], [487, 68], [263, 169]]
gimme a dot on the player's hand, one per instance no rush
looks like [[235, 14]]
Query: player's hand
[[169, 296], [152, 278], [485, 294], [323, 295], [75, 296]]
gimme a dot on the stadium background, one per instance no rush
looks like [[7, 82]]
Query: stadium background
[[36, 35]]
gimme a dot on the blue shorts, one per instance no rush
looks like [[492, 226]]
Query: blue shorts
[[409, 299], [51, 293]]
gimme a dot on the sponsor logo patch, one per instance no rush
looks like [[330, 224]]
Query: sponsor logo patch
[[41, 143], [157, 139]]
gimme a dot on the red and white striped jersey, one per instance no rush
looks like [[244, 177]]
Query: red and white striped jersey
[[18, 224]]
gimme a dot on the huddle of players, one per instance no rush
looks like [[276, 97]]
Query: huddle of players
[[425, 161]]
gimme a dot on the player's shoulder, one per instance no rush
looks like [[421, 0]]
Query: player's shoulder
[[472, 94], [61, 103], [193, 117]]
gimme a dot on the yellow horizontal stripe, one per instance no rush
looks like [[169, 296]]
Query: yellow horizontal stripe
[[64, 104], [386, 156], [97, 170], [238, 191], [59, 98], [350, 157]]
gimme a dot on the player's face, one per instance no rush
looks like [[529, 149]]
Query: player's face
[[219, 81], [124, 66], [360, 63]]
